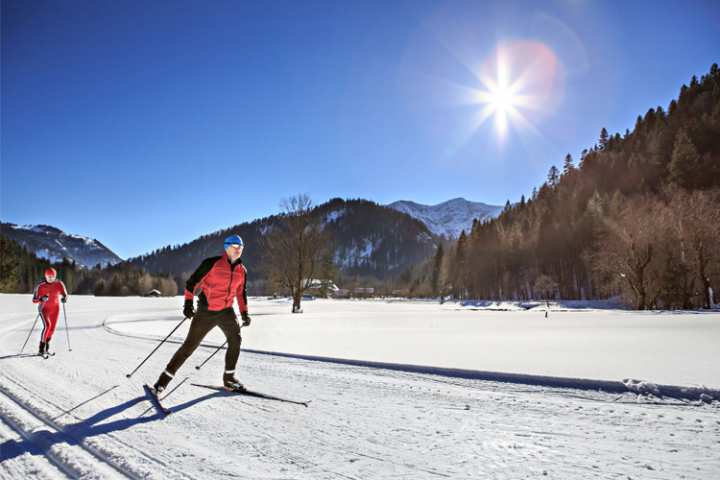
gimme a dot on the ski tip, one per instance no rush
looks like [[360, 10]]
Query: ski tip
[[150, 391]]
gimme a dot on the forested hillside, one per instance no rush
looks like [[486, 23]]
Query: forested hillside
[[638, 215], [21, 270]]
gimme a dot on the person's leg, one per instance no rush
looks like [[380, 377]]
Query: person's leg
[[41, 348], [199, 327], [228, 322], [53, 314]]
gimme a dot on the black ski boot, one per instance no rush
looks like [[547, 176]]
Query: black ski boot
[[47, 348], [162, 382], [231, 383], [41, 349]]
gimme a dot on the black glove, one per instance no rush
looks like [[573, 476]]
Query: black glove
[[189, 309], [245, 318], [44, 298], [64, 299]]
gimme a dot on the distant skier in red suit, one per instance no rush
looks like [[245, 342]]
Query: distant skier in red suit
[[49, 294]]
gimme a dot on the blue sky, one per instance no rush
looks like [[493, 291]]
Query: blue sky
[[150, 123]]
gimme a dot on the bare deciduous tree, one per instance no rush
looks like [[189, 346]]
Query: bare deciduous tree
[[628, 246], [545, 287], [696, 217], [295, 247]]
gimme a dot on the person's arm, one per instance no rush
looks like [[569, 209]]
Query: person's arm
[[64, 291], [36, 294], [241, 293], [197, 277]]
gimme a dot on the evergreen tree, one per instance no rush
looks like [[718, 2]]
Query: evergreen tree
[[99, 289], [553, 176], [437, 267], [568, 166], [459, 267], [603, 138], [685, 163]]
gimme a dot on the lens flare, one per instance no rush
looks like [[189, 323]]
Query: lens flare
[[518, 78]]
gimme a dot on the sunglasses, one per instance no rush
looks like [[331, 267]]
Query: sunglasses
[[233, 245]]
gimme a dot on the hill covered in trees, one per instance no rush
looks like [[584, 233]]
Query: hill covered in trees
[[371, 244], [21, 270], [639, 216], [51, 243]]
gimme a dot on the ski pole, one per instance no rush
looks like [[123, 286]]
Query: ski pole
[[198, 367], [30, 334], [67, 329], [155, 349]]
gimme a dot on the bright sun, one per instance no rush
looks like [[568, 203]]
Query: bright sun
[[519, 79], [500, 100]]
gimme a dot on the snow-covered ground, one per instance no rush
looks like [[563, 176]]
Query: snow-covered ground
[[668, 348], [76, 415]]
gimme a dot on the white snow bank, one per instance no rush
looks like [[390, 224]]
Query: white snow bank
[[610, 345]]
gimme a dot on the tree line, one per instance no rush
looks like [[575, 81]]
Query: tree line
[[21, 271], [637, 217]]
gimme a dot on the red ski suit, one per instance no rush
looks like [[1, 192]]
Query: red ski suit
[[49, 309], [218, 283]]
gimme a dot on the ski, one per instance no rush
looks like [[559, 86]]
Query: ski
[[20, 355], [250, 393], [153, 398], [47, 355]]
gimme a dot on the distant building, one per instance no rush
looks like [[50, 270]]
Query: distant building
[[341, 293], [363, 291], [153, 293], [322, 287]]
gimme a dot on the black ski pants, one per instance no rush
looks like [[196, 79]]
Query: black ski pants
[[202, 323]]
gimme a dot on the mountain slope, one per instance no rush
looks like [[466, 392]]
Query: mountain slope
[[368, 240], [448, 218], [53, 244]]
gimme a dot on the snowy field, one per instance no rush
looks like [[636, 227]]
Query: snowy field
[[77, 416]]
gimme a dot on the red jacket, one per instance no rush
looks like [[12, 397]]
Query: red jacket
[[53, 290], [217, 282]]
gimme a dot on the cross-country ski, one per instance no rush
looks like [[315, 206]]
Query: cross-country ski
[[153, 398], [249, 393]]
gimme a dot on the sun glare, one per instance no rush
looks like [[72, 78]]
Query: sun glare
[[517, 79]]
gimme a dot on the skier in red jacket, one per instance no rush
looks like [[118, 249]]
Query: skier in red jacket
[[218, 281], [49, 294]]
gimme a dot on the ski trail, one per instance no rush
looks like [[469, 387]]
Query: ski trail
[[29, 461], [72, 458], [126, 459], [110, 457]]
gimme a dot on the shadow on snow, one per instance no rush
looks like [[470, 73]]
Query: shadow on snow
[[41, 441]]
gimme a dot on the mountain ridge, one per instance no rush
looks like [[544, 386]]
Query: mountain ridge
[[450, 217], [369, 240], [54, 245]]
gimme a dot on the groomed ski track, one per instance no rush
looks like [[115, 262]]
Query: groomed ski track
[[76, 416], [667, 391]]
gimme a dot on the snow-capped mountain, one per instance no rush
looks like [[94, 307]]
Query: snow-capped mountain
[[369, 240], [53, 244], [448, 218]]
